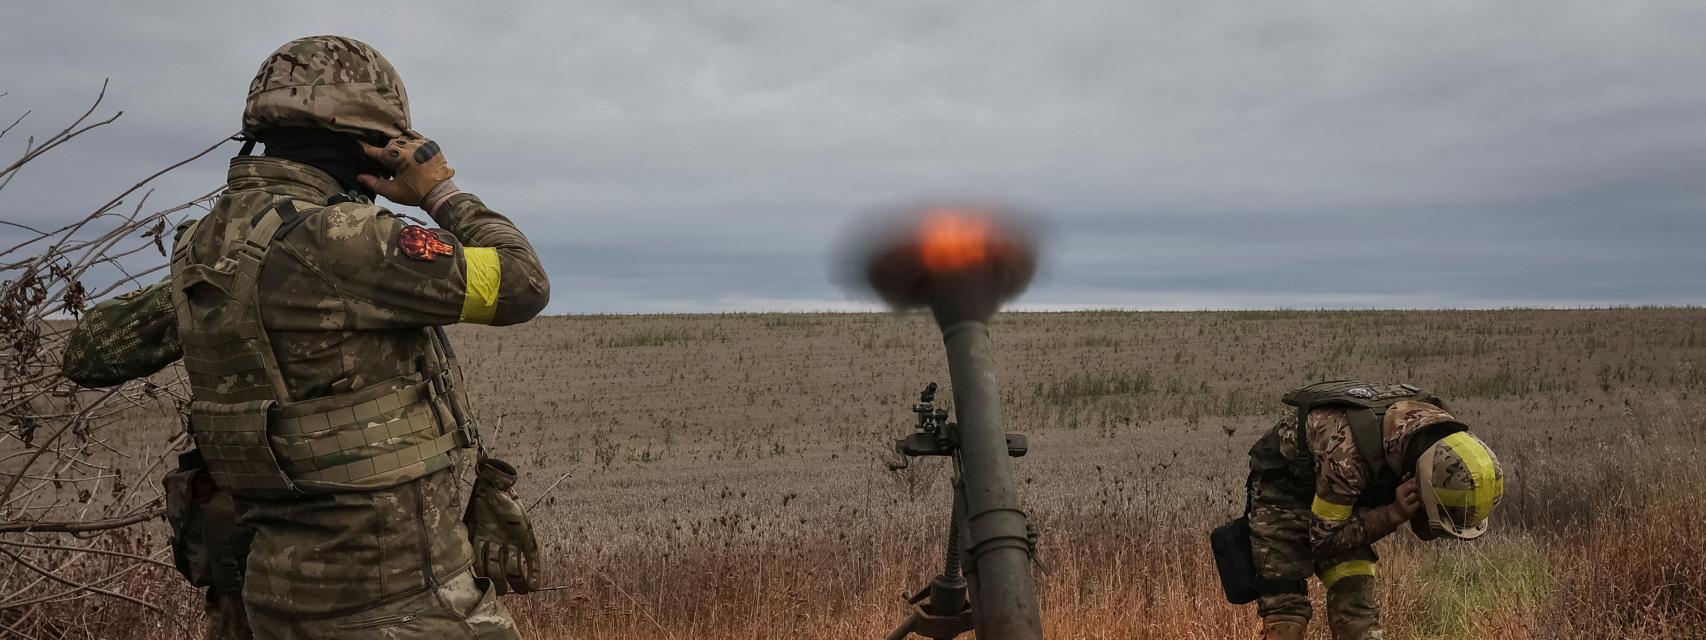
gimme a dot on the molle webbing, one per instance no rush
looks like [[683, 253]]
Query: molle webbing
[[234, 377], [256, 442], [226, 351], [379, 436], [232, 438]]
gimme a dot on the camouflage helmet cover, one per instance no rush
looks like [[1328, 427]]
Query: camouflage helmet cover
[[328, 82], [1460, 484], [1410, 416]]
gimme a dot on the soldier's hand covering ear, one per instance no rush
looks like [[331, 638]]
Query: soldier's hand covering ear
[[505, 550], [422, 177]]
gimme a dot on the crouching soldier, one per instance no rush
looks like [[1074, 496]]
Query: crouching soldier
[[1351, 465]]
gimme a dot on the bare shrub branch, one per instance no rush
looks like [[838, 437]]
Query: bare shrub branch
[[71, 463]]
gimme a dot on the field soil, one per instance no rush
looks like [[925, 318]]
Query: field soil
[[725, 476]]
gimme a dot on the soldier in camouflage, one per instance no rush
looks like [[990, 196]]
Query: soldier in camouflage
[[1351, 465], [323, 397]]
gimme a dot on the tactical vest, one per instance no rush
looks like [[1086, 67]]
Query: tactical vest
[[255, 441], [1365, 408]]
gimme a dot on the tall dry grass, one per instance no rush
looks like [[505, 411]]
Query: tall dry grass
[[725, 477], [1138, 424]]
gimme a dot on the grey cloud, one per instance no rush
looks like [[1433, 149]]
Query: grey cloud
[[693, 156]]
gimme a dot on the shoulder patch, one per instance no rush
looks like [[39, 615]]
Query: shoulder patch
[[421, 243]]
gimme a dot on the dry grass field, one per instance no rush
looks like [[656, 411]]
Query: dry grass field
[[725, 475]]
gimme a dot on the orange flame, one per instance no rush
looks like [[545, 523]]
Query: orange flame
[[954, 239], [952, 250]]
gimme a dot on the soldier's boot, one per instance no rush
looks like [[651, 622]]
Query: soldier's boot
[[1352, 611], [1282, 630]]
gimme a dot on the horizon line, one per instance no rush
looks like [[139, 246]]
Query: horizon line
[[1067, 309]]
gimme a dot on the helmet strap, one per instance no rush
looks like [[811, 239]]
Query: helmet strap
[[248, 143], [1422, 525]]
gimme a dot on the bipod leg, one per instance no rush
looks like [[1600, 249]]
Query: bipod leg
[[941, 611]]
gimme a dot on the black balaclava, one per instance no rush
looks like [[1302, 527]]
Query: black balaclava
[[336, 153]]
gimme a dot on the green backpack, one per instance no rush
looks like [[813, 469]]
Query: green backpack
[[1365, 405]]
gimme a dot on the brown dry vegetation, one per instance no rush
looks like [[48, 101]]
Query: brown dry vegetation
[[725, 474]]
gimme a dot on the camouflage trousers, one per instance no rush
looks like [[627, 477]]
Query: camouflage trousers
[[226, 619], [1279, 541], [463, 608]]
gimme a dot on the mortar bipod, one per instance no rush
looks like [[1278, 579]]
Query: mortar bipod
[[941, 610]]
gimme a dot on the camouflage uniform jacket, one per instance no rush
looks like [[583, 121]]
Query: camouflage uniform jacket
[[1342, 521], [344, 304]]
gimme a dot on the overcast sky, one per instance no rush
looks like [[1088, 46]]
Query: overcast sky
[[1189, 154]]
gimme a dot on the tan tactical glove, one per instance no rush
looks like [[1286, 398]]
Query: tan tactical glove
[[504, 548], [421, 176]]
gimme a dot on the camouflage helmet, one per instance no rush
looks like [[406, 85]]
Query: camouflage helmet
[[1460, 482], [328, 82], [1411, 416]]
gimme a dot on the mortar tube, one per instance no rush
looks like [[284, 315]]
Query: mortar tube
[[1004, 605]]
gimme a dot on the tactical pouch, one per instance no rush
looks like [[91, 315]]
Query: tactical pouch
[[208, 547], [189, 550], [1235, 561], [233, 437]]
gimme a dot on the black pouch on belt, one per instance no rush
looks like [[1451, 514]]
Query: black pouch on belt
[[208, 547], [1235, 561]]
